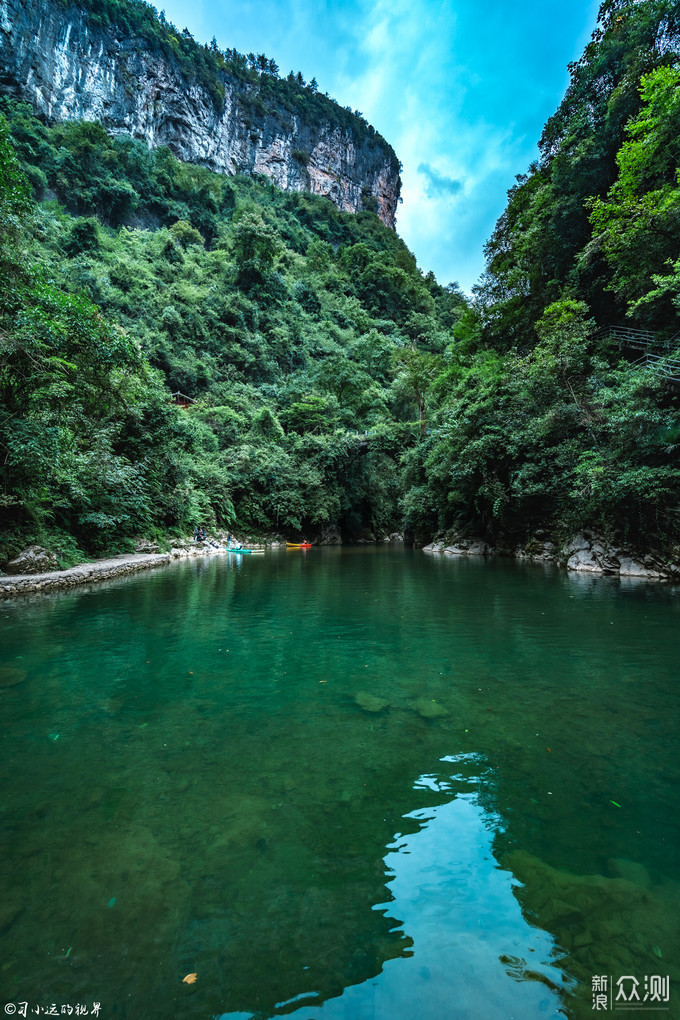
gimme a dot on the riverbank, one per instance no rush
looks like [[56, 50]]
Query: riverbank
[[99, 570], [585, 553]]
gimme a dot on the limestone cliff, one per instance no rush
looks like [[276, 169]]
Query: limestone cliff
[[68, 67]]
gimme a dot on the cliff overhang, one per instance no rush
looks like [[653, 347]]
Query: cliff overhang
[[67, 67]]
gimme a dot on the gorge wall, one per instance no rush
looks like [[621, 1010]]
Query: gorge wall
[[68, 68]]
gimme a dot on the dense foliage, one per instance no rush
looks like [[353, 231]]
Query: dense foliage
[[331, 383], [543, 418], [285, 321], [547, 244]]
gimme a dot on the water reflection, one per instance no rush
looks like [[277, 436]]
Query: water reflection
[[311, 782], [472, 953]]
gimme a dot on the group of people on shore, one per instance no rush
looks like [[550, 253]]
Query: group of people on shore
[[201, 536]]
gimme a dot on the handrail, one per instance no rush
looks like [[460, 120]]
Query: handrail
[[668, 367], [643, 339], [635, 337]]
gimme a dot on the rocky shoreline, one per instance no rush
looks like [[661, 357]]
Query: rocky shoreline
[[99, 570], [35, 570], [586, 553]]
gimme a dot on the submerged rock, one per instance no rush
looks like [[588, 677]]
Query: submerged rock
[[9, 911], [10, 676], [632, 871], [428, 708], [624, 920], [369, 702]]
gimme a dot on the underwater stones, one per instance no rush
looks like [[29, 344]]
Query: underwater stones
[[560, 910], [633, 871], [427, 708], [240, 822], [10, 676], [9, 911], [369, 702], [596, 918]]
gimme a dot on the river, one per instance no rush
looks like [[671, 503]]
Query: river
[[342, 784]]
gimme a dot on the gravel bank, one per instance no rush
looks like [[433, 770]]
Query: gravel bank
[[100, 570]]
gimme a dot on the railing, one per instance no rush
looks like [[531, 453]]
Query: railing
[[643, 339], [668, 367], [182, 399], [629, 336]]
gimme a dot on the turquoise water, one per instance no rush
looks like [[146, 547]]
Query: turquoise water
[[345, 784]]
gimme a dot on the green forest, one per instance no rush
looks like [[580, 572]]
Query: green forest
[[331, 383]]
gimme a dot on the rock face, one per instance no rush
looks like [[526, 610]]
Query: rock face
[[585, 554], [462, 547], [590, 554], [33, 560], [68, 68]]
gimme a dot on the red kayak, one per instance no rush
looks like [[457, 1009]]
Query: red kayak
[[298, 545]]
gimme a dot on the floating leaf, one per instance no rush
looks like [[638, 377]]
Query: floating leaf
[[189, 979], [615, 803]]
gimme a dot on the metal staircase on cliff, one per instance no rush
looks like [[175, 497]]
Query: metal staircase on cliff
[[649, 342]]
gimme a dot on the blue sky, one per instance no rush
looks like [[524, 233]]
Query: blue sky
[[460, 89]]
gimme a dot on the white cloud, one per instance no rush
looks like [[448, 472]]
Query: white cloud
[[442, 88]]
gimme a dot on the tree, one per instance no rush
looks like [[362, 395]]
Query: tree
[[15, 204], [254, 246], [416, 371], [638, 223]]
